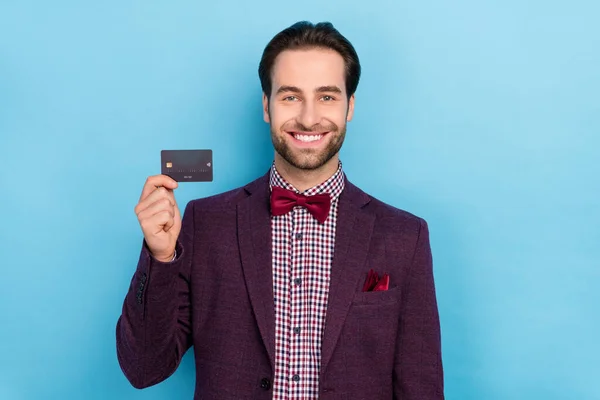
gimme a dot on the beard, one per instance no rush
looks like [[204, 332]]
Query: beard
[[308, 159]]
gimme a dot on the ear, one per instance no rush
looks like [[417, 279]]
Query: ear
[[265, 101], [350, 112]]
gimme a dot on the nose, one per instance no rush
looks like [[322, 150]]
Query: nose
[[309, 115]]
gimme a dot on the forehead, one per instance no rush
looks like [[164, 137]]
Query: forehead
[[309, 68]]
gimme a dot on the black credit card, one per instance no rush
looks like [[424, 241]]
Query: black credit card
[[187, 165]]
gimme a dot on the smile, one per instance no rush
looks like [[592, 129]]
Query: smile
[[307, 138]]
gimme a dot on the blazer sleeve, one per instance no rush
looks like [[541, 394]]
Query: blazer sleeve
[[418, 373], [154, 329]]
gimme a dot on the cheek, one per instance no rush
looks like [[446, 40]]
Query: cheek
[[337, 115], [281, 115]]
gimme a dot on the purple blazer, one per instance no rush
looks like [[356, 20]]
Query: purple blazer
[[217, 296]]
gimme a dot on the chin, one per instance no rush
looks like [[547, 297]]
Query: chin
[[307, 159], [307, 162]]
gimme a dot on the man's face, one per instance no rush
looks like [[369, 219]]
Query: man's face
[[308, 107]]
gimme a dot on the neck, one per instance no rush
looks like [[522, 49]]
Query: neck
[[303, 179]]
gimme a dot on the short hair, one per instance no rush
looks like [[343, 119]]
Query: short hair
[[306, 35]]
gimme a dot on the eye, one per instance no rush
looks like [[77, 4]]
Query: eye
[[290, 98], [327, 98]]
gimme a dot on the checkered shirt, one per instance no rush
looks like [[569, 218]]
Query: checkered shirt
[[302, 255]]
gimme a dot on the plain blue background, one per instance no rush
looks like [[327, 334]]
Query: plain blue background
[[481, 117]]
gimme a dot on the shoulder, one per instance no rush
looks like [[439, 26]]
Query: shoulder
[[388, 216]]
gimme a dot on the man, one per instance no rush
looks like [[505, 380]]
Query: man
[[297, 285]]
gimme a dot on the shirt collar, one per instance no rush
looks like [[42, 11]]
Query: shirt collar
[[334, 185]]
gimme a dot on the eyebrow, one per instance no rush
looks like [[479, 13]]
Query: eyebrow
[[328, 89], [320, 89]]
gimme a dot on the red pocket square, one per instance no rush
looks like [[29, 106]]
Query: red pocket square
[[371, 281], [374, 284], [383, 284]]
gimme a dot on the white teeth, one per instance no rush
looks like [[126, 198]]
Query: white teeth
[[308, 138]]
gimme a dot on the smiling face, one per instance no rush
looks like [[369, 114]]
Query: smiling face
[[308, 108]]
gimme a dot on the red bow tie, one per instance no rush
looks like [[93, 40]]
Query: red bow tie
[[283, 201]]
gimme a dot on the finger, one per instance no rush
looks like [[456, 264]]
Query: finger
[[158, 221], [155, 208], [158, 194], [176, 212], [169, 224], [157, 181]]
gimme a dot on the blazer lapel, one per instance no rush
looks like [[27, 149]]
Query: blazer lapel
[[254, 237], [353, 235]]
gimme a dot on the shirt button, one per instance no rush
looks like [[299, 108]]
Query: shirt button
[[299, 236], [297, 281], [296, 378], [265, 383], [297, 330]]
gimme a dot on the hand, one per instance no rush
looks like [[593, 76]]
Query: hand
[[159, 216]]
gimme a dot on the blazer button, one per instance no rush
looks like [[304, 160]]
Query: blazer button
[[265, 383]]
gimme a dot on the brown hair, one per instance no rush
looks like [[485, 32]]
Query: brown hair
[[305, 35]]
